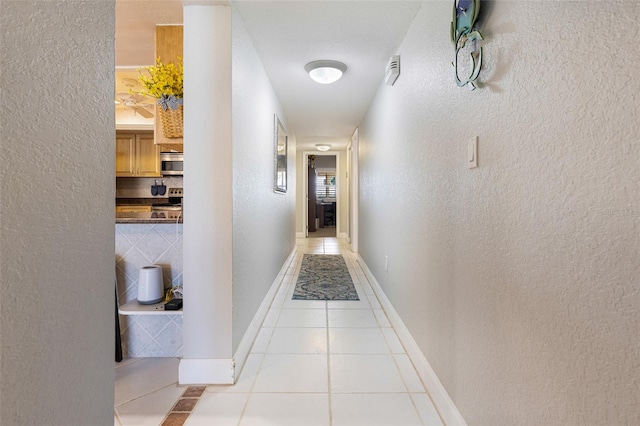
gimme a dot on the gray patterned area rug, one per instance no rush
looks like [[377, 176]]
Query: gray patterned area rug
[[324, 277]]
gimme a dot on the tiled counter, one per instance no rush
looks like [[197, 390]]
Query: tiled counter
[[154, 217], [138, 245]]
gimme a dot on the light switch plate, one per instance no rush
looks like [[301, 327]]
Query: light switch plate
[[472, 153]]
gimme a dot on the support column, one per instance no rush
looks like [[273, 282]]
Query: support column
[[208, 199]]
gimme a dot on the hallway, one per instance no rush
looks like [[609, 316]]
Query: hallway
[[312, 363]]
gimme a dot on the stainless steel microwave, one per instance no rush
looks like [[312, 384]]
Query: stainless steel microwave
[[172, 163]]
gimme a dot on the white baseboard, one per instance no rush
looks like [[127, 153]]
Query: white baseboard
[[206, 371], [439, 395], [301, 235], [242, 352], [344, 236]]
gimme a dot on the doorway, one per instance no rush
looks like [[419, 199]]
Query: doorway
[[322, 209]]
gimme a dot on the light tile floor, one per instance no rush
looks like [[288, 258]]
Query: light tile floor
[[312, 363]]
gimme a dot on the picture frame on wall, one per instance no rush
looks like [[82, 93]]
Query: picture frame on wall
[[280, 156]]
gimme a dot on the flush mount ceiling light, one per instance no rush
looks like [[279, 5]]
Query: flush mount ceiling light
[[325, 72], [323, 147]]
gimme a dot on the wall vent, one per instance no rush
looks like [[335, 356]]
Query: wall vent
[[393, 70]]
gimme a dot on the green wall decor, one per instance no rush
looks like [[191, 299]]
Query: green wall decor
[[465, 15]]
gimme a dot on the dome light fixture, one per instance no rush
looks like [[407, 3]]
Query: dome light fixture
[[323, 147], [325, 72]]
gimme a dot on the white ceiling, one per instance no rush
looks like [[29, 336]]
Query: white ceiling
[[287, 35]]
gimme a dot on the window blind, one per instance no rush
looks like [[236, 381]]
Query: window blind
[[325, 185]]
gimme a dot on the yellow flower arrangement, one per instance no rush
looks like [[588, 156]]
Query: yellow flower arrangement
[[164, 83]]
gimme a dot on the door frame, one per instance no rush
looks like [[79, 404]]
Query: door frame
[[354, 189], [305, 185]]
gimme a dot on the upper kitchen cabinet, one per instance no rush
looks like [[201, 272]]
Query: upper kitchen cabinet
[[137, 155], [169, 49]]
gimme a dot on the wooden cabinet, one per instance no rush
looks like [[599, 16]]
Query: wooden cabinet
[[148, 154], [125, 154], [133, 209], [170, 147], [169, 40], [137, 155]]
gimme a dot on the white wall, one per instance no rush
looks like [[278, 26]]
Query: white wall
[[263, 221], [519, 279], [56, 203]]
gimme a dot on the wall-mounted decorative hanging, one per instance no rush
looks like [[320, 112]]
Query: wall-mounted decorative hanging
[[465, 15], [280, 156]]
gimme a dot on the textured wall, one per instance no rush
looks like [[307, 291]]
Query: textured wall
[[263, 221], [519, 279], [56, 204]]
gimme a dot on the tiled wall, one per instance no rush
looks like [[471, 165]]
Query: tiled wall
[[141, 187], [138, 245]]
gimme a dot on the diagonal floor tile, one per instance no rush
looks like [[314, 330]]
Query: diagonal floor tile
[[220, 409], [150, 409], [135, 379]]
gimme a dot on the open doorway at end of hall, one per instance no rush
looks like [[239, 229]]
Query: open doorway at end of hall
[[322, 186]]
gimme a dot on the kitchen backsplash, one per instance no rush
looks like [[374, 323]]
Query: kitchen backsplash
[[141, 187], [139, 245]]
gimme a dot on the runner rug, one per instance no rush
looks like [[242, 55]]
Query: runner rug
[[324, 277]]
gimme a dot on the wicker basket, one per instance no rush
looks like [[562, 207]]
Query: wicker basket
[[172, 122]]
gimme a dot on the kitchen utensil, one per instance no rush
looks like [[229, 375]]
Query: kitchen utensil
[[154, 189], [162, 189]]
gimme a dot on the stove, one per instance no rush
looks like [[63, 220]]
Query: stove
[[173, 215], [174, 204]]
